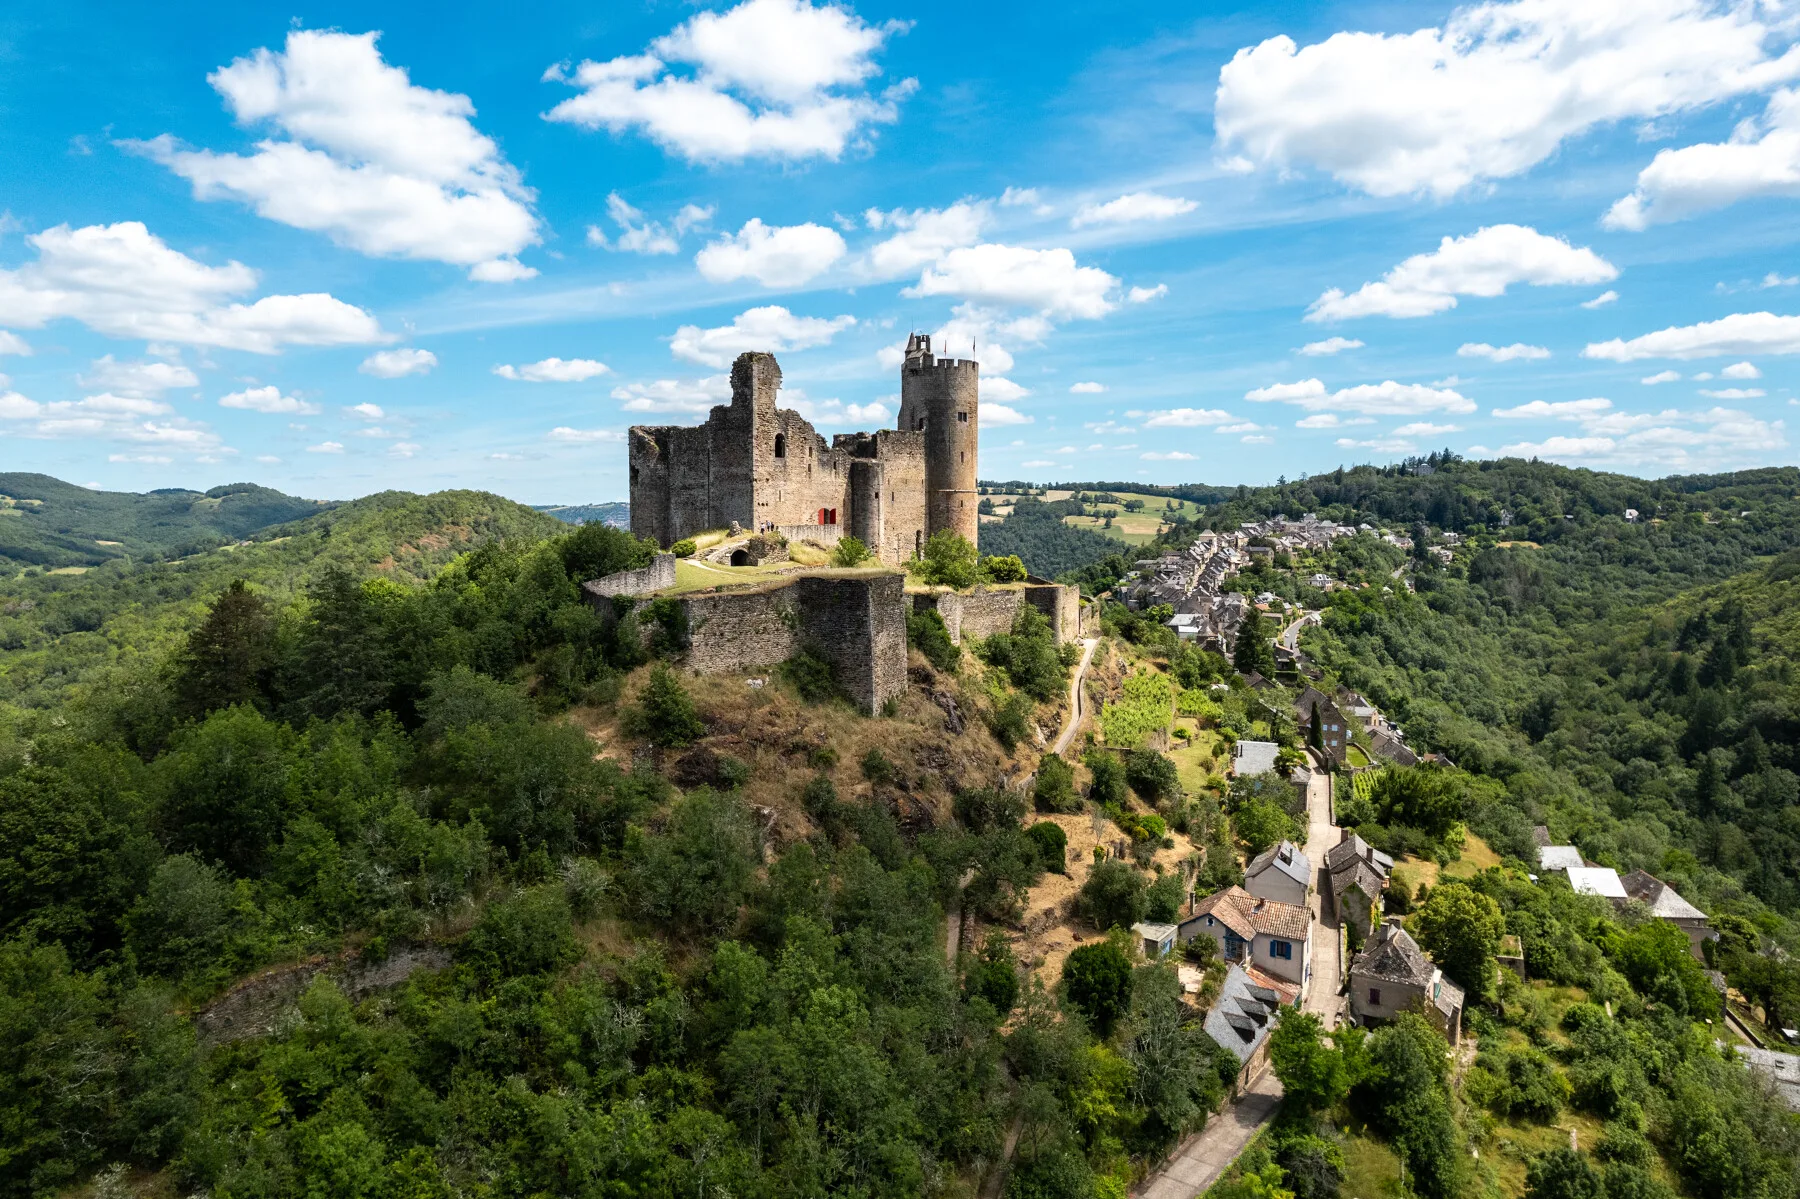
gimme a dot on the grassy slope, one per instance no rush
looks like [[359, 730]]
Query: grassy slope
[[46, 522], [58, 632]]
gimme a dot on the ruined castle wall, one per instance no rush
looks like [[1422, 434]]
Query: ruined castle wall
[[1061, 606], [805, 478], [658, 575], [819, 534], [855, 622], [978, 614]]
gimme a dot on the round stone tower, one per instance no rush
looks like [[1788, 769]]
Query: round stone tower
[[940, 398]]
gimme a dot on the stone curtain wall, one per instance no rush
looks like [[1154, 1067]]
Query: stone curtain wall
[[822, 534], [658, 575], [981, 613], [855, 622]]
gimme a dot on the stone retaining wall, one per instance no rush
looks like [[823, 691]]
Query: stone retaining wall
[[981, 613], [818, 534], [660, 574]]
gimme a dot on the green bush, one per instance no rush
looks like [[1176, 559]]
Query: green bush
[[927, 633], [664, 713], [811, 676], [948, 560], [849, 552], [1003, 568], [1054, 790], [995, 974], [876, 767], [1098, 978], [1109, 786], [1010, 720], [1113, 895], [524, 934], [685, 548], [1152, 776], [1163, 899], [1029, 656], [1053, 845], [983, 809]]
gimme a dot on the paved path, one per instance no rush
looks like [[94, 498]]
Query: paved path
[[1207, 1154], [1290, 636], [1077, 697], [1322, 998]]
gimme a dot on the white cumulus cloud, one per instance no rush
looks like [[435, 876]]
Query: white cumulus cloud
[[921, 236], [1181, 418], [1331, 345], [395, 364], [1001, 414], [1166, 456], [1424, 428], [123, 281], [1143, 295], [368, 158], [1331, 420], [12, 343], [1761, 159], [268, 399], [999, 387], [1045, 281], [771, 328], [553, 370], [1602, 300], [779, 256], [640, 235], [1660, 377], [1516, 351], [778, 79], [1739, 333], [1133, 206], [1492, 92], [137, 378], [1741, 370], [1086, 388], [1734, 393], [326, 447], [584, 436], [1483, 263], [1370, 399], [1556, 409], [674, 395]]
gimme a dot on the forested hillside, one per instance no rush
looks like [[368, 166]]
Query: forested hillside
[[46, 522]]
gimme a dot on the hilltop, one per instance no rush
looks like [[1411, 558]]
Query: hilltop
[[46, 522]]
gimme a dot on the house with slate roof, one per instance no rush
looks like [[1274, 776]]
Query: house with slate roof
[[1354, 877], [1334, 729], [1253, 757], [1665, 904], [1241, 1020], [1559, 857], [1280, 872], [1393, 975], [1272, 936]]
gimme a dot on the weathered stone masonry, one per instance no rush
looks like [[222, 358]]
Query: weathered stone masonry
[[983, 612], [766, 467], [654, 577]]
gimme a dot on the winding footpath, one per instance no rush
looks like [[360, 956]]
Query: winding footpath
[[1076, 695]]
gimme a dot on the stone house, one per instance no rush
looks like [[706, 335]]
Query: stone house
[[1666, 904], [1392, 975], [1354, 877], [1270, 935], [1241, 1020], [1334, 729], [1280, 872], [1155, 940]]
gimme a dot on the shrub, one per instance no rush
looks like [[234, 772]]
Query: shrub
[[685, 548], [1003, 568], [1010, 720], [524, 934], [995, 975], [927, 633], [1162, 901], [811, 676], [1113, 895], [1152, 776], [1053, 845], [983, 809], [1098, 978], [850, 551], [1109, 785], [1054, 790], [664, 713], [1029, 656], [948, 560], [876, 767]]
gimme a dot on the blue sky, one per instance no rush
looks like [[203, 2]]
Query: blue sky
[[471, 251]]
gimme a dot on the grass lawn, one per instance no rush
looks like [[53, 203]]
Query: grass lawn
[[1477, 856], [1356, 758], [1371, 1170], [1192, 757]]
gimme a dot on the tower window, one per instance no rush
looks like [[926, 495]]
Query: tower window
[[962, 418], [781, 445], [962, 456], [921, 425]]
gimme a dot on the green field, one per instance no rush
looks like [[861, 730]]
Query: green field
[[1133, 528]]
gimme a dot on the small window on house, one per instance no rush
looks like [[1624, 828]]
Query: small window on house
[[781, 445], [1374, 996], [1281, 949]]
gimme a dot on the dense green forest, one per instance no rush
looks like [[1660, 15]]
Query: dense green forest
[[357, 752], [45, 522]]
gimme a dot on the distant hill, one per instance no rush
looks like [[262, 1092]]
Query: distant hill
[[616, 514], [58, 630], [46, 522]]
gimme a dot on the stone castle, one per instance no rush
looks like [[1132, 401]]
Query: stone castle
[[766, 469]]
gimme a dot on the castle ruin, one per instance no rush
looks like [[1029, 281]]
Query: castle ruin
[[766, 468]]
